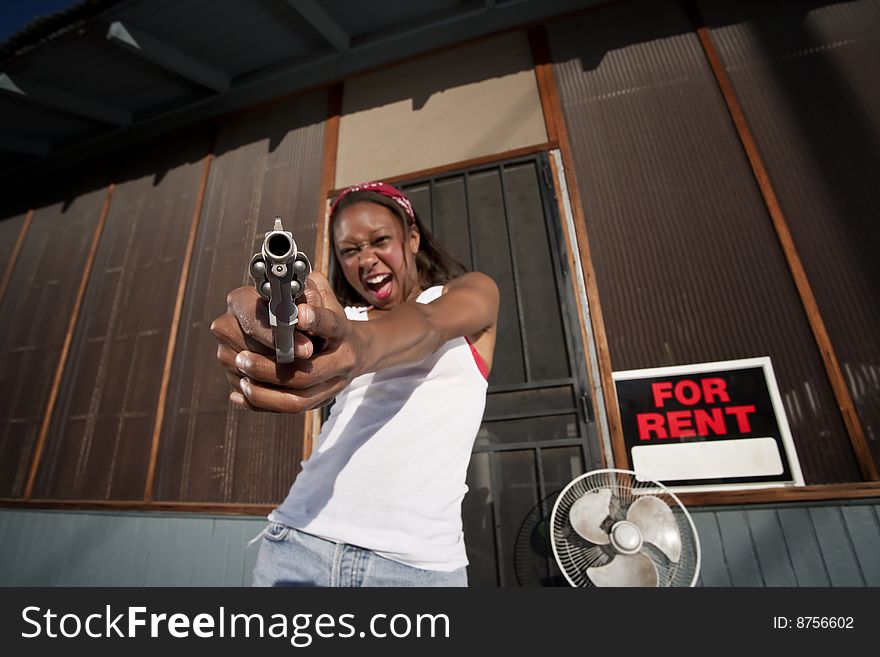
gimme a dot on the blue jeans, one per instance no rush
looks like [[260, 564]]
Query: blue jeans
[[290, 557]]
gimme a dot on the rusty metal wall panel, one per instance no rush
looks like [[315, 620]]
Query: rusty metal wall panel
[[806, 77], [98, 446], [10, 229], [35, 312], [268, 162], [687, 263]]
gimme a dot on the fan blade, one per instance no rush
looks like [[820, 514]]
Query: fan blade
[[657, 523], [588, 513], [625, 570]]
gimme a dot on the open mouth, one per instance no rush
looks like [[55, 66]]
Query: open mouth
[[379, 285]]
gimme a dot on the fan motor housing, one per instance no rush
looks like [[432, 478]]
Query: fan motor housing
[[626, 537]]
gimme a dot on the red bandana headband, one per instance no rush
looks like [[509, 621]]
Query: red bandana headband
[[380, 188]]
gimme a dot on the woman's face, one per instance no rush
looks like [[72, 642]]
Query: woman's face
[[376, 258]]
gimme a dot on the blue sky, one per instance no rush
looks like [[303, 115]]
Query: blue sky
[[15, 14]]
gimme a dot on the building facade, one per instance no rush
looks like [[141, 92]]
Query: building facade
[[651, 184]]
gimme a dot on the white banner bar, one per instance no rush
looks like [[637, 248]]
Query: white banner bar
[[741, 457]]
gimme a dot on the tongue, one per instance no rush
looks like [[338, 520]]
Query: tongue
[[382, 291], [382, 288]]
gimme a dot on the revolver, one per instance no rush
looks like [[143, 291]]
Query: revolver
[[279, 271]]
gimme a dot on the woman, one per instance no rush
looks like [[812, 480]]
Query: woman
[[378, 502]]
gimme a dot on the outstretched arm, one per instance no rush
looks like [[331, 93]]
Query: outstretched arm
[[405, 334], [412, 331]]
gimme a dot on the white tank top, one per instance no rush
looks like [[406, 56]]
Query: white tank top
[[387, 471]]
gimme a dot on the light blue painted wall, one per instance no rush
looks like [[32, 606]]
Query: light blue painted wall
[[79, 548], [819, 544]]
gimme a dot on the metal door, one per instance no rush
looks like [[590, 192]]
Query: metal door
[[537, 433]]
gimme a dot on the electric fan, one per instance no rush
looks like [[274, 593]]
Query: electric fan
[[610, 529], [533, 562]]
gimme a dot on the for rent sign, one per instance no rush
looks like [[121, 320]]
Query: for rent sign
[[708, 426]]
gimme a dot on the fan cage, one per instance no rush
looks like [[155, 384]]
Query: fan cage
[[575, 554]]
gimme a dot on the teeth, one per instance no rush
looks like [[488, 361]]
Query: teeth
[[376, 279]]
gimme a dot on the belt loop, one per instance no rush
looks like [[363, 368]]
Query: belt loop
[[337, 562]]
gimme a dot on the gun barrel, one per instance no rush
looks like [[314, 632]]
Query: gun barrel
[[278, 247]]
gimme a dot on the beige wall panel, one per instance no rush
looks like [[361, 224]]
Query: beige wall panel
[[452, 106]]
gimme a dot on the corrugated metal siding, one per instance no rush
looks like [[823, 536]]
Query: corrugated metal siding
[[268, 163], [10, 229], [40, 297], [99, 443], [807, 82], [822, 544], [688, 265]]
